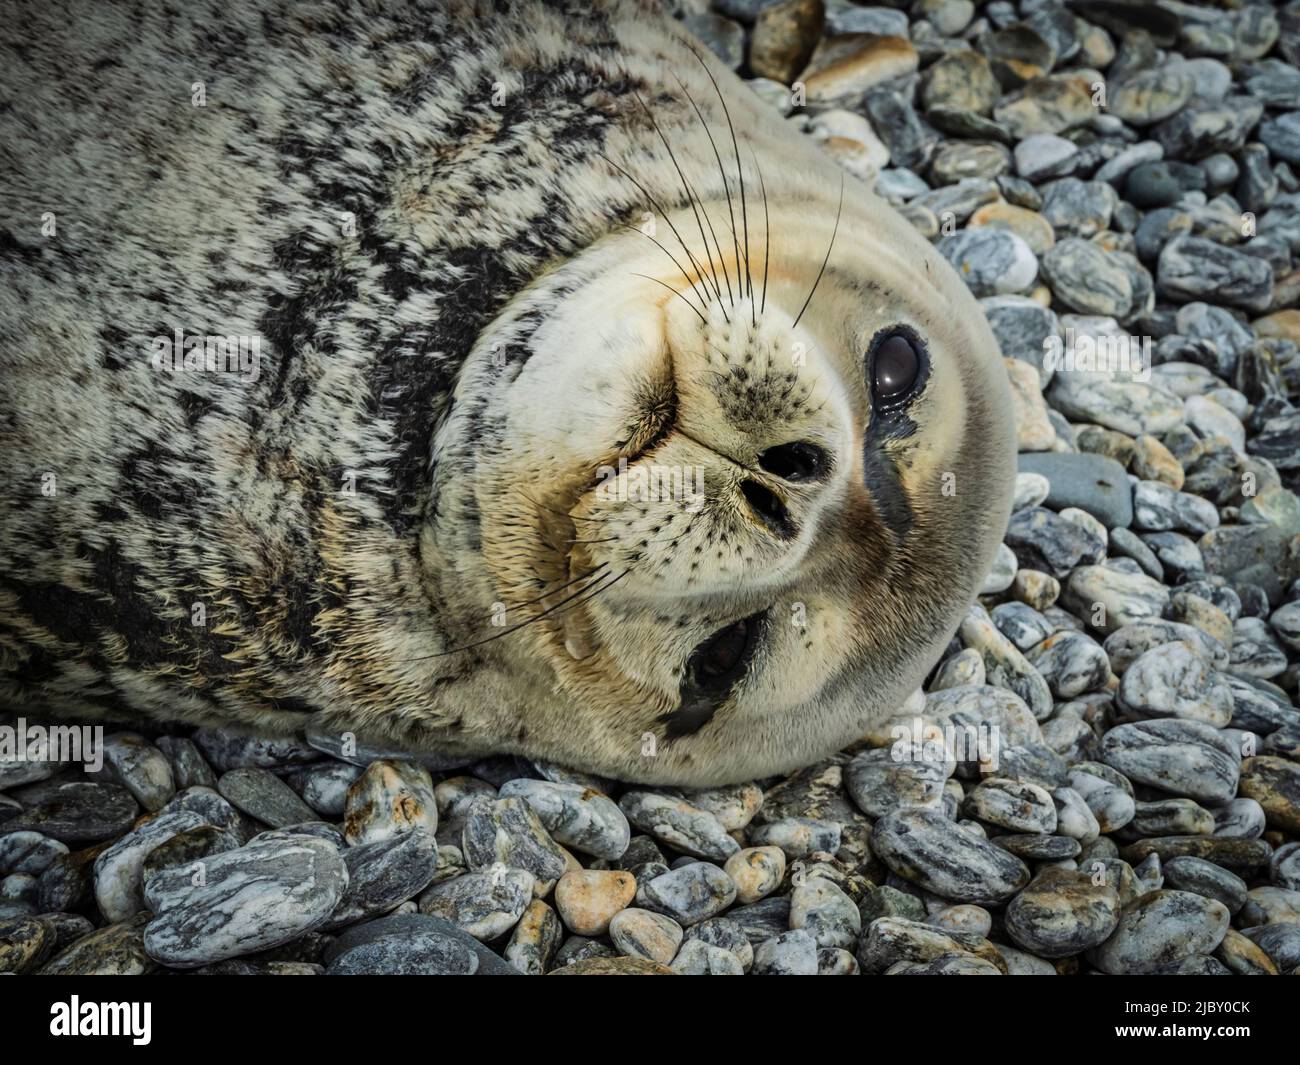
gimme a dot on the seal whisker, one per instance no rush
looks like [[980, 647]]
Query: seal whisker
[[740, 173], [685, 273], [726, 188], [686, 185], [767, 227], [561, 587], [523, 624], [699, 270], [838, 211], [675, 293]]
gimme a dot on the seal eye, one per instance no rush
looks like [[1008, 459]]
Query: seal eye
[[895, 368]]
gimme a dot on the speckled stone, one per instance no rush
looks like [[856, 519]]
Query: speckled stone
[[535, 939], [388, 798], [575, 816], [824, 911], [679, 824], [690, 893], [141, 768], [1159, 928], [508, 832], [118, 882], [799, 837], [1173, 680], [1009, 804], [1183, 757], [887, 941], [756, 872], [640, 933], [383, 874], [924, 847], [77, 812], [1275, 784], [588, 899], [485, 905], [1062, 913], [792, 953], [114, 950], [1072, 663], [251, 899]]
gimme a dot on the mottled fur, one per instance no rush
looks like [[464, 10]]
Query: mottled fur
[[410, 206]]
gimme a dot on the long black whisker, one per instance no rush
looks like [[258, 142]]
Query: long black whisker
[[685, 273], [560, 588], [675, 293], [739, 172], [767, 228], [690, 194], [699, 270], [726, 187], [834, 231], [523, 624]]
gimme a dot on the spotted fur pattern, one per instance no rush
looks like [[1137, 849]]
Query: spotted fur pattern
[[362, 187]]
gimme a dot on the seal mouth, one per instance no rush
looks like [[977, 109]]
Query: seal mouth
[[713, 670]]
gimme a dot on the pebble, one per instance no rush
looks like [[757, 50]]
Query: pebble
[[575, 815], [383, 874], [117, 870], [756, 872], [391, 934], [264, 796], [388, 798], [1186, 758], [924, 847], [991, 261], [506, 832], [1275, 784], [415, 953], [799, 837], [1207, 879], [1193, 268], [1071, 663], [679, 824], [485, 905], [792, 953], [1062, 913], [1092, 483], [1087, 279], [697, 958], [639, 933], [825, 912], [141, 768], [76, 812], [324, 786], [588, 899], [1159, 928], [1173, 680], [251, 899], [1009, 804], [691, 893], [880, 782], [113, 950], [536, 939]]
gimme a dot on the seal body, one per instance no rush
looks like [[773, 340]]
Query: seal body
[[348, 350]]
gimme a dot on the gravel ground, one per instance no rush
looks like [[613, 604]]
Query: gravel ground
[[1096, 172]]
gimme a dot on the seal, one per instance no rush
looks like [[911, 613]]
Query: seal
[[499, 377]]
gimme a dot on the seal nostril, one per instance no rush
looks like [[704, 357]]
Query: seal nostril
[[795, 462], [769, 508]]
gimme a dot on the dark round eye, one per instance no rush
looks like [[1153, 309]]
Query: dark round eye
[[895, 367]]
